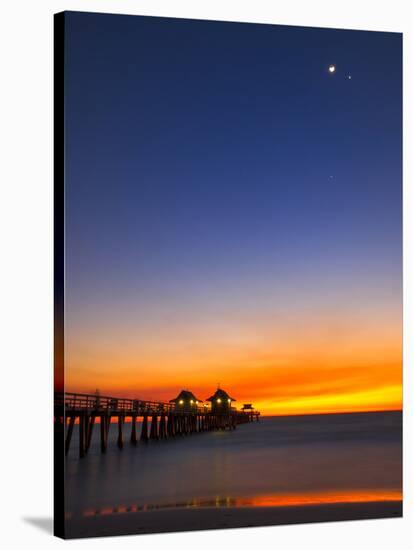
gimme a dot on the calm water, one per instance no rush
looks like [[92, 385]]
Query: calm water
[[254, 465]]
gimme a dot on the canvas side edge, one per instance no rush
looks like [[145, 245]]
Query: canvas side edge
[[59, 268]]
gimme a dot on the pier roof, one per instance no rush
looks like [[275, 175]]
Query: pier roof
[[187, 396], [220, 394]]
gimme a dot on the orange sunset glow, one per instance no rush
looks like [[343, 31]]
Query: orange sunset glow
[[285, 368]]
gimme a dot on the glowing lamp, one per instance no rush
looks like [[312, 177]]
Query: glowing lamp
[[181, 401], [218, 400]]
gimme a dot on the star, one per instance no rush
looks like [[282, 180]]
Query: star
[[332, 69]]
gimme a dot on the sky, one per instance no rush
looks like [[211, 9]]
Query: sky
[[233, 212]]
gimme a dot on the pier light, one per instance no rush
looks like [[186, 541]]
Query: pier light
[[196, 402], [185, 399], [221, 401]]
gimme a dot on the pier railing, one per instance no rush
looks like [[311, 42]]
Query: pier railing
[[160, 420], [102, 403]]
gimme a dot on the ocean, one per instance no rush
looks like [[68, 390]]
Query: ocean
[[277, 461]]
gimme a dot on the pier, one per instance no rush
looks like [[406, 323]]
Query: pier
[[159, 420]]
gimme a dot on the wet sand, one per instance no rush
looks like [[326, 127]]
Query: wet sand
[[192, 519]]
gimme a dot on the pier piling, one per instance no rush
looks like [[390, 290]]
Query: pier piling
[[154, 427], [120, 431], [144, 432], [133, 437], [103, 439], [166, 420], [90, 425], [162, 427], [82, 419]]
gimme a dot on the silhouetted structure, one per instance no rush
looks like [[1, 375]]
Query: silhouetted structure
[[159, 420], [220, 401], [248, 409], [186, 401]]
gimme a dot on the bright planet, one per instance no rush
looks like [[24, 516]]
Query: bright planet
[[332, 69]]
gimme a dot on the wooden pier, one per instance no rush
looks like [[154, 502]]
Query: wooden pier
[[159, 420]]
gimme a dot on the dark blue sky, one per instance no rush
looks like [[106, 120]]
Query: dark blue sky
[[209, 163]]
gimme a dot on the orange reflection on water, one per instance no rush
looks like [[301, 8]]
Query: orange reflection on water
[[273, 500], [333, 497]]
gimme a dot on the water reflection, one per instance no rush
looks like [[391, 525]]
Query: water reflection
[[305, 499], [279, 462]]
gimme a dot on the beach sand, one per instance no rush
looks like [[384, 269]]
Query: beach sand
[[192, 519]]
